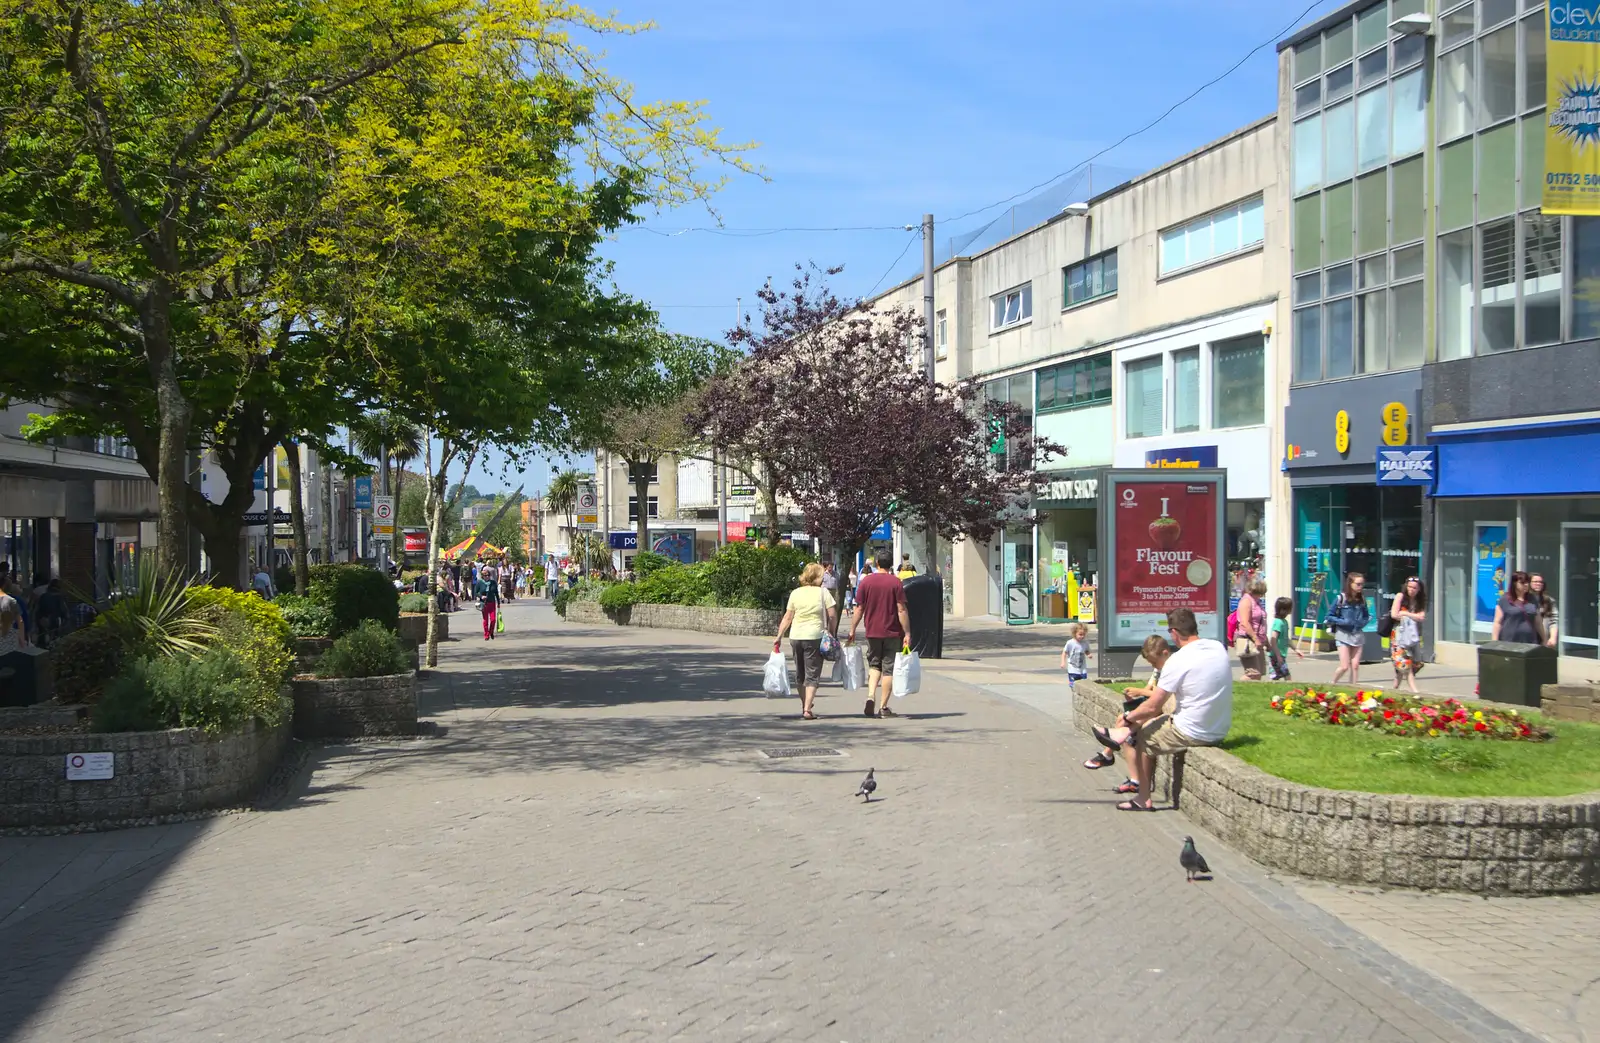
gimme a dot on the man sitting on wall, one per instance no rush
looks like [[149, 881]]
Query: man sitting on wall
[[1197, 682]]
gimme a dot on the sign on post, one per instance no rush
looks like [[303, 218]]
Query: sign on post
[[363, 492], [83, 767], [383, 516], [588, 512]]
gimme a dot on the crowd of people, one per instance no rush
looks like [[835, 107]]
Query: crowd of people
[[876, 600], [39, 614]]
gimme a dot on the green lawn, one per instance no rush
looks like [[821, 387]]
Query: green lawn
[[1336, 757]]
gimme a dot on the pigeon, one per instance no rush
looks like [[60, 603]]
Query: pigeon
[[1192, 861], [868, 785]]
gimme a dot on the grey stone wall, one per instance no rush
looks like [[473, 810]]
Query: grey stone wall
[[1488, 845], [349, 708], [1571, 702], [415, 627], [743, 622], [157, 773]]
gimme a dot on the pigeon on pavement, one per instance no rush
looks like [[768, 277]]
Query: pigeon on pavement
[[1192, 861], [868, 785]]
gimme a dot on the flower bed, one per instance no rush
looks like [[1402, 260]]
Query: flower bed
[[1408, 716]]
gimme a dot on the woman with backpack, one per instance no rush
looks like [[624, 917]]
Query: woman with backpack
[[1348, 621], [1249, 627]]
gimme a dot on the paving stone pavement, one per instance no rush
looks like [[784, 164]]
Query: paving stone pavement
[[593, 849]]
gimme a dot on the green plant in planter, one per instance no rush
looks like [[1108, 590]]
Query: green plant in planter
[[413, 602], [619, 596], [305, 617], [216, 691], [370, 650], [354, 593], [562, 599], [160, 616], [84, 661]]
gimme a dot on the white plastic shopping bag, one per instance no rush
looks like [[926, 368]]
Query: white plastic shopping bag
[[907, 673], [775, 681], [853, 668]]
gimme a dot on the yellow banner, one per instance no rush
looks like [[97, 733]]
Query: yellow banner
[[1572, 121]]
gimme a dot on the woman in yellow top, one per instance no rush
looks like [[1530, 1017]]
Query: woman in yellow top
[[810, 614]]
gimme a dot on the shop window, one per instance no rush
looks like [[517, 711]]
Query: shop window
[[1246, 544], [1339, 157], [1497, 287], [1456, 92], [1075, 385], [1238, 381], [1186, 390], [1477, 553], [1455, 295], [1144, 393], [1563, 545]]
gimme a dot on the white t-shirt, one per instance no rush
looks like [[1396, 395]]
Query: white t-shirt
[[1200, 677]]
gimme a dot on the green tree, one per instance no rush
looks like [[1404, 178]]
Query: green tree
[[562, 497]]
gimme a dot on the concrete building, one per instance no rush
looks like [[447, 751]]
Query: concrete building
[[1141, 327]]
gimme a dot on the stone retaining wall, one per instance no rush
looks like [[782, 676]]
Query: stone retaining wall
[[1571, 702], [742, 622], [1484, 845], [353, 707], [156, 773], [414, 627]]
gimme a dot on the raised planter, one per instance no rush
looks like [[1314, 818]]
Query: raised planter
[[414, 626], [1484, 845], [743, 622], [1571, 702], [353, 707], [155, 773], [307, 650]]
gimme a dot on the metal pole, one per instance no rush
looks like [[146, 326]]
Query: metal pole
[[383, 490], [270, 566], [929, 332]]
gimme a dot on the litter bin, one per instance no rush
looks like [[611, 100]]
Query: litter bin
[[925, 611], [1513, 673], [26, 677]]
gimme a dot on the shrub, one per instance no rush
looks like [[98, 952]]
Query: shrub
[[265, 616], [413, 602], [677, 585], [253, 630], [354, 593], [214, 691], [647, 563], [370, 650], [160, 616], [283, 578], [563, 596], [305, 617], [589, 590], [619, 596], [85, 660], [746, 576]]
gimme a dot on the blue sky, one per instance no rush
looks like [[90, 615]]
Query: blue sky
[[871, 114]]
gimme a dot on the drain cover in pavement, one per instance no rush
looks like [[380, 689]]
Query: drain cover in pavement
[[782, 752]]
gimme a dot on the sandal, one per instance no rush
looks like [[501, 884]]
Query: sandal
[[1100, 760], [1103, 737], [1126, 786], [886, 712], [1131, 805], [808, 716]]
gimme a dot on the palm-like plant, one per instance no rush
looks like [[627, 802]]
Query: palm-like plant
[[563, 495], [386, 435], [158, 616]]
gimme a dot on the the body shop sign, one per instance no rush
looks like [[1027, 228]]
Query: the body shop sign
[[1167, 552]]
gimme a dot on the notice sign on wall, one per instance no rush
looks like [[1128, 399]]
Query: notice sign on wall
[[90, 766], [1167, 553]]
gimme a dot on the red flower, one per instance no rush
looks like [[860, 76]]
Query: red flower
[[1480, 726], [1388, 715]]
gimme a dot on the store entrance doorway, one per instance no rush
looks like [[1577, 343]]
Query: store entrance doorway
[[1579, 621]]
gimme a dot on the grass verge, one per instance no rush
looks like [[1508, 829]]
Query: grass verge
[[1334, 757]]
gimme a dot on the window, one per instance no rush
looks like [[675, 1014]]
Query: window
[[1456, 94], [1586, 273], [1308, 345], [1497, 76], [1497, 288], [1340, 337], [1339, 161], [649, 472], [1372, 128], [1074, 385], [1533, 67], [1410, 114], [1239, 382], [633, 508], [1186, 390], [1455, 27], [1143, 386], [1541, 279], [1088, 280], [1307, 156], [942, 338], [1013, 306], [1217, 234], [1455, 295]]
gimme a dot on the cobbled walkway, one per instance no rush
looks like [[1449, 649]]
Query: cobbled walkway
[[593, 849]]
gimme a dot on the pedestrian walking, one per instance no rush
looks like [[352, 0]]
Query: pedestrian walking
[[1278, 638], [1517, 618], [488, 601], [1075, 655], [1547, 610], [1409, 609], [13, 635], [1348, 621], [1250, 630], [261, 583], [881, 606], [811, 613]]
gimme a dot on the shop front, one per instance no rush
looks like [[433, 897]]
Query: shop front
[[1344, 517], [1067, 549]]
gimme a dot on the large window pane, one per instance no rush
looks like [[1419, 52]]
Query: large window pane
[[1541, 279], [1455, 295], [1336, 44], [1308, 288], [1341, 223], [1532, 159], [1238, 382], [1307, 234], [1408, 207], [1341, 338], [1410, 114], [1339, 83], [1144, 397], [1586, 278], [1308, 59], [1454, 27], [1307, 97], [1252, 222], [1372, 328], [1455, 185], [1339, 157], [1406, 304], [1307, 155], [1497, 76], [1533, 74], [1497, 292], [1456, 93], [1493, 12], [1372, 67], [1372, 28], [1372, 128], [1497, 171], [1372, 212], [1308, 334], [1174, 251], [1186, 390]]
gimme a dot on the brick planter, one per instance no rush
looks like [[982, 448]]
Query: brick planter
[[1483, 845], [352, 707], [414, 627], [1571, 702], [156, 773], [742, 622], [307, 650]]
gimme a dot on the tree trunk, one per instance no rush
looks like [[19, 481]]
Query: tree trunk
[[436, 484], [221, 531], [326, 491], [769, 503], [176, 413], [297, 517], [641, 492]]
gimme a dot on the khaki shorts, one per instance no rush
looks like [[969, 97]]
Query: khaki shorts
[[1159, 737]]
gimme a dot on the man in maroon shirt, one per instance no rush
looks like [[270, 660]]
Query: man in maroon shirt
[[881, 602]]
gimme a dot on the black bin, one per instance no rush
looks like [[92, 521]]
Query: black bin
[[925, 612], [1513, 673], [25, 677]]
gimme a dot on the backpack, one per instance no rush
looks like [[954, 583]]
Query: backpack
[[1233, 625]]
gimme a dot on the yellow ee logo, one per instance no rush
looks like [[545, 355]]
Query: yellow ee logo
[[1341, 432], [1394, 424]]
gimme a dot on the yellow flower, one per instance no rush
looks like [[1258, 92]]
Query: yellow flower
[[1433, 732], [1288, 705], [1477, 715], [1343, 698]]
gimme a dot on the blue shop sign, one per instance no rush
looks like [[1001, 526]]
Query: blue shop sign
[[884, 531], [624, 541], [1189, 456], [259, 479], [1408, 465], [364, 493]]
